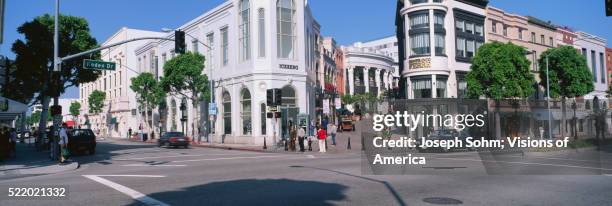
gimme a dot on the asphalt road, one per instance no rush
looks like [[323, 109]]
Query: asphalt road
[[125, 173]]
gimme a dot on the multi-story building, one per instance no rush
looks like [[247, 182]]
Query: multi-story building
[[437, 39], [387, 46], [121, 111], [535, 35], [251, 46], [326, 77], [340, 79], [609, 66], [593, 48]]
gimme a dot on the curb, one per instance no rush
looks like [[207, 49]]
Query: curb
[[231, 148], [45, 170]]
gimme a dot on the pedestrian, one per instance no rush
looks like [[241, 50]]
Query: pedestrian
[[13, 139], [301, 134], [4, 144], [322, 136], [63, 142], [129, 133], [292, 138], [333, 132]]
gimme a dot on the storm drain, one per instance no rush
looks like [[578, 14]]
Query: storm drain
[[442, 201]]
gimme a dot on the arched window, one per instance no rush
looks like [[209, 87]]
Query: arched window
[[289, 98], [262, 32], [227, 113], [245, 112], [285, 11], [245, 31]]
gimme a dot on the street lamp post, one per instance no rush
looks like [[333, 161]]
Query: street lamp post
[[548, 99]]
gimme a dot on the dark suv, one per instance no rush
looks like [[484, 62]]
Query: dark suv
[[173, 139], [81, 140]]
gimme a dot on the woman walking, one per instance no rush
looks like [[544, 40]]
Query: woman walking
[[322, 136]]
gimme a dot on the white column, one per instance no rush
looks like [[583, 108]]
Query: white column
[[351, 80], [377, 81], [366, 79], [434, 86]]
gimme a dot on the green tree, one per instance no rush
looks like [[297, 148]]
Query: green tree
[[183, 76], [149, 93], [569, 77], [75, 109], [96, 101], [501, 71], [34, 58]]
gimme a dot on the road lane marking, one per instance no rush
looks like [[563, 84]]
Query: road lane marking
[[161, 157], [126, 190], [228, 158], [528, 163], [128, 175], [310, 156], [150, 165]]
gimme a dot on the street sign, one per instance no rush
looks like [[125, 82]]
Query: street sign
[[99, 65], [212, 109], [272, 108]]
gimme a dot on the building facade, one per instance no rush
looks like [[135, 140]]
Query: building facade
[[593, 48], [609, 66], [368, 71], [438, 38], [250, 47], [120, 112]]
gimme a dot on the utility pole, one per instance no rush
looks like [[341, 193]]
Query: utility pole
[[56, 69]]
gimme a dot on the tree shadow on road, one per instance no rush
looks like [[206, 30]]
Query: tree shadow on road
[[267, 192]]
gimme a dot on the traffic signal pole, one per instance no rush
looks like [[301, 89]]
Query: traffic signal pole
[[57, 61]]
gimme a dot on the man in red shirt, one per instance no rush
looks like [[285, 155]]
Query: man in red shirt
[[321, 135]]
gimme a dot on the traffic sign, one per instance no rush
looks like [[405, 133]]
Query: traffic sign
[[99, 65], [212, 109]]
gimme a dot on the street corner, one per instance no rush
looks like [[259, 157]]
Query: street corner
[[37, 168]]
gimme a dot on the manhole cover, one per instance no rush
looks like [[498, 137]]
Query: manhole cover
[[442, 201]]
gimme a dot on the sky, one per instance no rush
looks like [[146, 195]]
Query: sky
[[348, 21]]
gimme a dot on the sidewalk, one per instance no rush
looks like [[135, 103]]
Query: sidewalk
[[341, 145], [31, 162]]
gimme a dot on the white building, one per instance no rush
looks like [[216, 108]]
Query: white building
[[120, 111], [593, 48], [368, 71], [439, 38], [388, 46], [254, 46]]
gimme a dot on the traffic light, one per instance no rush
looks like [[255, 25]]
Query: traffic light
[[179, 42], [273, 97], [56, 110], [608, 7]]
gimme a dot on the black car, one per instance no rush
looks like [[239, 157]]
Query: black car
[[173, 139], [82, 140]]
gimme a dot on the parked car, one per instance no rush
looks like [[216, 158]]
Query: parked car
[[82, 140], [173, 139]]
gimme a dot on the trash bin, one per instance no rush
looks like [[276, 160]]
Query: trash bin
[[145, 137]]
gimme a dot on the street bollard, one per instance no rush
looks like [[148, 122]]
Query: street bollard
[[348, 146], [265, 145]]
